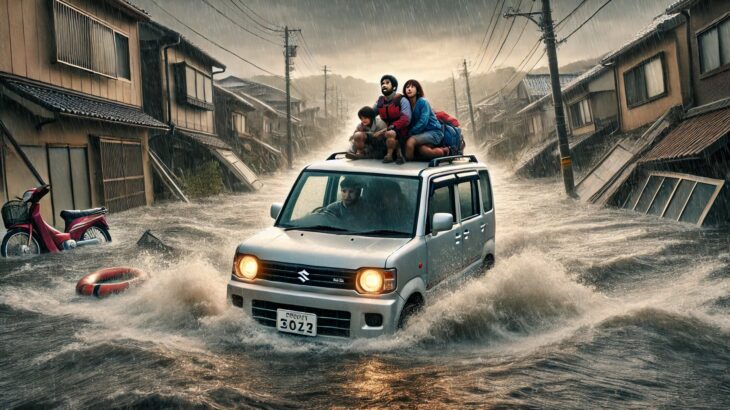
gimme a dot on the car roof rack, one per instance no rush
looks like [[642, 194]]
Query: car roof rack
[[335, 154], [450, 160]]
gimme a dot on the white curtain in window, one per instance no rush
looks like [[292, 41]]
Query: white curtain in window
[[586, 111], [710, 50], [725, 41], [654, 78]]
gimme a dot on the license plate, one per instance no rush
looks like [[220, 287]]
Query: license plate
[[300, 323]]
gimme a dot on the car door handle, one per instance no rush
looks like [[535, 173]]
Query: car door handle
[[466, 234], [457, 237], [481, 227]]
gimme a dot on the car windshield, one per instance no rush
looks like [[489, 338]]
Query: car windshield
[[356, 204]]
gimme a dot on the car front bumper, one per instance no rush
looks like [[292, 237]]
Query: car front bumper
[[261, 301]]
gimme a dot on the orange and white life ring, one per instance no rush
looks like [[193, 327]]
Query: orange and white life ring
[[93, 283]]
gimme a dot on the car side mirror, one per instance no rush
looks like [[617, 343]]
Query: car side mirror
[[442, 221], [275, 210]]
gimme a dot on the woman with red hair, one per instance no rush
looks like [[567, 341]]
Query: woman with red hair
[[425, 130]]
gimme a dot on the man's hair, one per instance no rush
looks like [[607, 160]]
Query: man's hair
[[367, 112], [350, 182], [419, 89], [392, 79]]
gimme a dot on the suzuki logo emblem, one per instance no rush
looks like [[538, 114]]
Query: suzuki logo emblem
[[303, 275]]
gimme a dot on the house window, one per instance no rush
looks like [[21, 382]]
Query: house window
[[194, 87], [89, 44], [239, 123], [530, 126], [537, 124], [580, 113], [645, 82], [680, 197], [714, 46]]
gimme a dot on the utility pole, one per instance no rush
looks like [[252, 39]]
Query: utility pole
[[453, 87], [471, 109], [546, 25], [289, 52], [325, 92]]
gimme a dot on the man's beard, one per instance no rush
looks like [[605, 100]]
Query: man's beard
[[387, 92]]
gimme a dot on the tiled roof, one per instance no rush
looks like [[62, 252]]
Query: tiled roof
[[662, 23], [207, 140], [538, 85], [260, 89], [233, 96], [705, 133], [680, 5], [69, 103], [576, 82], [199, 52]]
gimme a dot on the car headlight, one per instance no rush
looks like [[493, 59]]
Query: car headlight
[[246, 267], [375, 281]]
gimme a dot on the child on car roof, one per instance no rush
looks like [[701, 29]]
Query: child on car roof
[[368, 141]]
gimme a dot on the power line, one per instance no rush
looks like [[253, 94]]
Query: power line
[[571, 13], [238, 25], [512, 49], [258, 15], [504, 41], [276, 29], [213, 42], [490, 29], [307, 48], [584, 22]]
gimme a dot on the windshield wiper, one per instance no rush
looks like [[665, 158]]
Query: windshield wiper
[[323, 228], [387, 232]]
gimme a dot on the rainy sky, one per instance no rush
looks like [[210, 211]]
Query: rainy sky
[[424, 39]]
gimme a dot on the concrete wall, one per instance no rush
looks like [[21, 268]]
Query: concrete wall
[[676, 69]]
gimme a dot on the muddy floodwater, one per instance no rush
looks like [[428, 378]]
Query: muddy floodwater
[[586, 307]]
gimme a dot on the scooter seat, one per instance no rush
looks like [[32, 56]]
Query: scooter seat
[[75, 213]]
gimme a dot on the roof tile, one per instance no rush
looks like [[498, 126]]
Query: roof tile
[[70, 103]]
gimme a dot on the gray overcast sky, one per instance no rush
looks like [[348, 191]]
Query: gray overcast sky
[[425, 39]]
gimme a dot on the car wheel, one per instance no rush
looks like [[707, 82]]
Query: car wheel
[[412, 307]]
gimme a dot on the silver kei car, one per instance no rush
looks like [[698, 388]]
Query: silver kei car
[[358, 245]]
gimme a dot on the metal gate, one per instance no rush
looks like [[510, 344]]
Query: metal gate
[[122, 174]]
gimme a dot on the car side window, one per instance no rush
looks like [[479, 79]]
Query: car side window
[[486, 191], [468, 199], [441, 200]]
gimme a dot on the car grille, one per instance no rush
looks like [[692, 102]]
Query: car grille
[[317, 276], [329, 322]]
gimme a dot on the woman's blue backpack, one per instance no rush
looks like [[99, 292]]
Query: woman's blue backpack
[[452, 139]]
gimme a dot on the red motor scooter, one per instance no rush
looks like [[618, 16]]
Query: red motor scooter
[[28, 234]]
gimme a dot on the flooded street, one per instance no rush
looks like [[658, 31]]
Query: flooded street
[[586, 307]]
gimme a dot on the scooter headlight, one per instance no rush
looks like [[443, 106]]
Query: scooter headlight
[[375, 281], [246, 267]]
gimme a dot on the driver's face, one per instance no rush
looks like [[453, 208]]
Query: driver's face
[[349, 195]]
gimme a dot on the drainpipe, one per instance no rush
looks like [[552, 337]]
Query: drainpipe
[[165, 47]]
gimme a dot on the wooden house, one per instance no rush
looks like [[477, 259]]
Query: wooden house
[[71, 104]]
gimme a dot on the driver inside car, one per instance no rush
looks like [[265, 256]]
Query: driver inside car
[[350, 204]]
